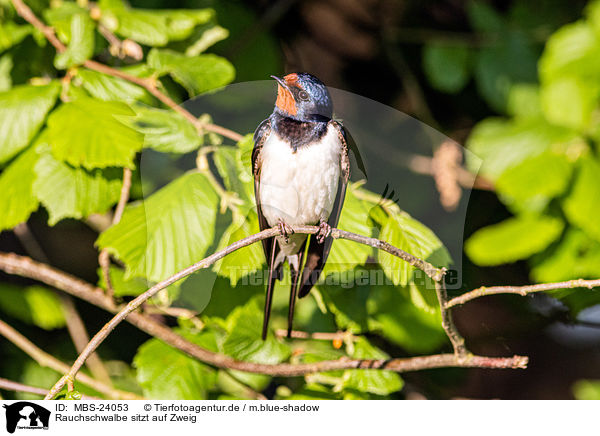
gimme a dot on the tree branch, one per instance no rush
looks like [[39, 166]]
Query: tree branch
[[9, 385], [520, 290], [282, 369], [458, 342], [46, 360], [25, 267], [150, 84]]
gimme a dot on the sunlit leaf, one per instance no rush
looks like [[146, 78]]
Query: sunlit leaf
[[371, 380], [167, 373], [22, 112], [81, 44], [105, 87], [108, 141], [512, 239], [246, 260], [406, 233], [35, 305], [16, 194], [165, 130], [68, 192], [582, 206], [244, 340], [502, 144], [169, 231], [196, 74]]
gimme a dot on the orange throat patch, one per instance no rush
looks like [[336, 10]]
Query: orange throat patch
[[285, 101]]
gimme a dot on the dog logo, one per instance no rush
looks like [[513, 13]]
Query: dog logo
[[26, 415]]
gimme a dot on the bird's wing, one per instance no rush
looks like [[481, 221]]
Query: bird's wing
[[317, 254], [260, 136]]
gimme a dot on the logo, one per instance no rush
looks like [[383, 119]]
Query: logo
[[26, 415]]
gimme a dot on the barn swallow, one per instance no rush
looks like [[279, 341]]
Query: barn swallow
[[301, 169]]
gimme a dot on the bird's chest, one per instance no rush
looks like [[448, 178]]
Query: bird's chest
[[299, 186]]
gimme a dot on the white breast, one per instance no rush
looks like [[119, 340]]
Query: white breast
[[299, 188]]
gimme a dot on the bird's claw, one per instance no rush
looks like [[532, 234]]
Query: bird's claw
[[285, 230], [324, 231]]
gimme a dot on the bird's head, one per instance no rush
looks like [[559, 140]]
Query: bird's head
[[303, 97]]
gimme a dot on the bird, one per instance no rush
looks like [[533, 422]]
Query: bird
[[301, 170]]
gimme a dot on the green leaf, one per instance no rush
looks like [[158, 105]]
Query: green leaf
[[446, 66], [166, 131], [573, 50], [512, 239], [502, 144], [246, 260], [244, 340], [81, 44], [312, 391], [105, 87], [582, 206], [371, 380], [108, 141], [169, 231], [406, 233], [22, 112], [68, 192], [587, 390], [6, 65], [152, 27], [576, 256], [396, 318], [197, 74], [348, 301], [524, 101], [570, 101], [484, 18], [12, 34], [121, 286], [209, 36], [223, 298], [499, 67], [16, 194], [234, 166], [34, 305], [537, 179], [345, 255], [60, 18], [167, 373]]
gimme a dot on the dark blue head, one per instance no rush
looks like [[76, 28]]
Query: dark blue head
[[303, 97]]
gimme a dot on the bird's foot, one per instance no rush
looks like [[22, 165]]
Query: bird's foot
[[324, 231], [285, 230]]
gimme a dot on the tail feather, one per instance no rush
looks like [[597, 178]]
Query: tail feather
[[295, 274], [269, 297]]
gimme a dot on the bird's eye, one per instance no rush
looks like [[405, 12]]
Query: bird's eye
[[303, 95]]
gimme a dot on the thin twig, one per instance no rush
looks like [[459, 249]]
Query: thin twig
[[150, 84], [46, 360], [458, 342], [9, 385], [104, 256], [521, 290]]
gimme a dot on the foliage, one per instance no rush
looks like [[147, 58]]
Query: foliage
[[543, 161], [65, 140]]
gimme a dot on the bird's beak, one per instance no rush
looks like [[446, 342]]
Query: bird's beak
[[281, 82]]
